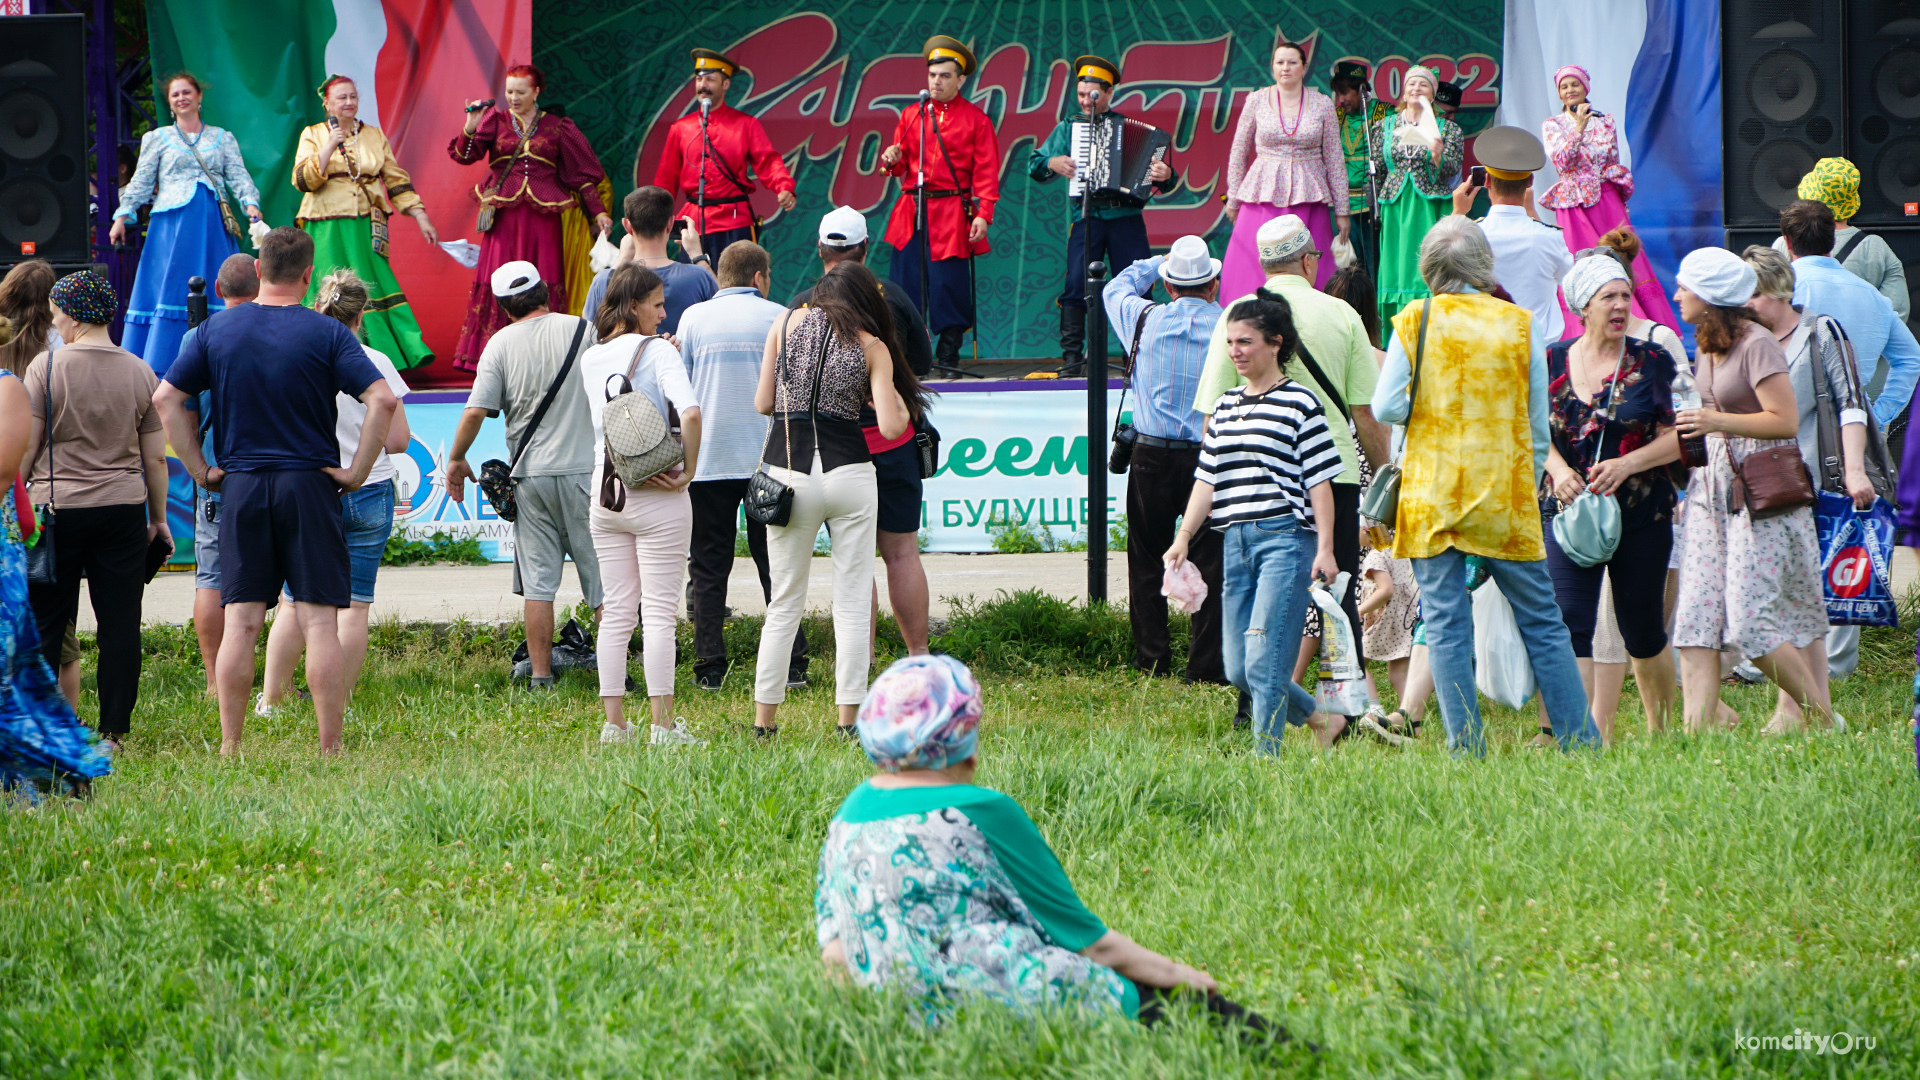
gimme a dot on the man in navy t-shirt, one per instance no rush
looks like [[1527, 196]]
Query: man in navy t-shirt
[[273, 367]]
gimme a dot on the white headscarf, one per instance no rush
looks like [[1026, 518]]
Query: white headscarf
[[1718, 276], [1587, 277]]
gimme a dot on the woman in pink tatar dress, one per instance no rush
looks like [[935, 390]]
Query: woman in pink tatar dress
[[1590, 198], [1286, 159]]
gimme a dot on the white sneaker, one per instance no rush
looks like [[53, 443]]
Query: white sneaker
[[263, 710], [611, 734], [677, 735], [1839, 724]]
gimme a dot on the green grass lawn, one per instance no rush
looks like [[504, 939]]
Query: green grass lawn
[[479, 889]]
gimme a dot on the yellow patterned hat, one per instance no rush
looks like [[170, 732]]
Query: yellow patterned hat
[[1836, 182]]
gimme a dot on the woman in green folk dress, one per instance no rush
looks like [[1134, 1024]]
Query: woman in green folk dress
[[1417, 151], [353, 186]]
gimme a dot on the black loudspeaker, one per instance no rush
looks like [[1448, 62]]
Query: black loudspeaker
[[1781, 100], [1883, 87], [43, 139]]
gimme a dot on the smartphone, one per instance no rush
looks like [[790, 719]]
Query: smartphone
[[1477, 176]]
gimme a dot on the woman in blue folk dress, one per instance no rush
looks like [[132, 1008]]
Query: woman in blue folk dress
[[187, 170]]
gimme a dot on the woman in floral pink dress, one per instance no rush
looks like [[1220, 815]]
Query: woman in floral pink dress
[[1286, 159], [1590, 198]]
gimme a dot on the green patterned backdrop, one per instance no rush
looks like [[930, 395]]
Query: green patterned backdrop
[[828, 84]]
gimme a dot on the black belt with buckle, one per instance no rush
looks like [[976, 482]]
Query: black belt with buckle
[[1166, 444], [704, 203]]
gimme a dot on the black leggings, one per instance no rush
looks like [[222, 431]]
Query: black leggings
[[1256, 1031], [108, 543], [1638, 570]]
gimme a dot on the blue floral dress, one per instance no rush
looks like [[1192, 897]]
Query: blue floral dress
[[947, 892], [43, 746]]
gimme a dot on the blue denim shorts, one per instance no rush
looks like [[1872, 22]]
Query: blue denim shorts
[[369, 519]]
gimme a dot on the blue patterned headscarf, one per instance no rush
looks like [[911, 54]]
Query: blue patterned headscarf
[[85, 297], [923, 712]]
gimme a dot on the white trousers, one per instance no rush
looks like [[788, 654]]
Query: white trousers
[[847, 500], [643, 566]]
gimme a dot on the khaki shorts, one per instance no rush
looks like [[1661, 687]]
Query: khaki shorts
[[70, 645], [551, 526]]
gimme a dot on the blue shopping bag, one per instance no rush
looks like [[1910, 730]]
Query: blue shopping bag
[[1856, 561]]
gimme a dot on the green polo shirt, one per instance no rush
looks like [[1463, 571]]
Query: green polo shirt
[[1333, 333]]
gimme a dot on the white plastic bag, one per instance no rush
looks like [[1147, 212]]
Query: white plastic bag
[[1341, 689], [1184, 586], [1501, 668], [603, 255], [465, 253], [257, 231]]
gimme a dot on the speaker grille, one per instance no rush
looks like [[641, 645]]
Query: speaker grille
[[1883, 75], [1783, 109], [43, 139]]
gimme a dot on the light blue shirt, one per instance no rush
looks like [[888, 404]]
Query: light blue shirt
[[1824, 287], [722, 340], [168, 174], [1391, 405], [1172, 354]]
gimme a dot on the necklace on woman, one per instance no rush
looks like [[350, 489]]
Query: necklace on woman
[[1299, 110], [525, 130], [1599, 380]]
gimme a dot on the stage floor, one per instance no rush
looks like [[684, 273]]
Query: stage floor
[[440, 375]]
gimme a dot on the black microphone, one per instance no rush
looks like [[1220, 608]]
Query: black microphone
[[478, 105]]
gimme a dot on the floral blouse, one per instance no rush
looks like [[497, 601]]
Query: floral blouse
[[168, 175], [1415, 164], [1584, 160], [1284, 165], [948, 892], [1645, 405]]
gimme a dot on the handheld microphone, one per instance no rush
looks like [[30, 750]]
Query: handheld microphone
[[478, 105]]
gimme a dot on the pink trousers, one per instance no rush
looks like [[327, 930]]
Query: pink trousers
[[643, 567]]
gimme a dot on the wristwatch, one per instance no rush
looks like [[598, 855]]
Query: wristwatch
[[703, 257]]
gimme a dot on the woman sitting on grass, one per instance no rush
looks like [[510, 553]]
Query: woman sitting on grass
[[932, 885]]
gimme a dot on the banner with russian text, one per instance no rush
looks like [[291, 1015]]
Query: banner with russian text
[[828, 83]]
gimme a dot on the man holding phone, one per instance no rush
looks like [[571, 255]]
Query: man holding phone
[[1529, 255]]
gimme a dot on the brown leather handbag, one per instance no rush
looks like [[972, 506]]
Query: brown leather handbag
[[1772, 481]]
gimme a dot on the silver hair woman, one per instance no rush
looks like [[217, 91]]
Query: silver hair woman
[[1810, 339], [1475, 446]]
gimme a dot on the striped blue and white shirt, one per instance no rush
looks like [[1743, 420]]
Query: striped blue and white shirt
[[722, 340], [1173, 349], [1264, 452]]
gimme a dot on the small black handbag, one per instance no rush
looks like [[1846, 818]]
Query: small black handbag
[[768, 501], [926, 446], [1124, 436], [40, 561]]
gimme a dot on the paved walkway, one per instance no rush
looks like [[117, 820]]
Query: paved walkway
[[485, 593]]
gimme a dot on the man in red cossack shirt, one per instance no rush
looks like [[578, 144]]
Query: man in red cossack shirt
[[962, 162], [734, 142]]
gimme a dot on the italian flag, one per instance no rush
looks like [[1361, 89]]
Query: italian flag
[[415, 63]]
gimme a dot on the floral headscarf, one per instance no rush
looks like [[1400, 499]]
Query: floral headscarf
[[1836, 182], [923, 712], [1578, 72], [86, 297], [1415, 71]]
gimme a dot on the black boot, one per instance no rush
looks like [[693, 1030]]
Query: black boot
[[1073, 337], [946, 352]]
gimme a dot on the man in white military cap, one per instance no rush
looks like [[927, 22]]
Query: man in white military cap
[[1167, 349], [1529, 255], [549, 445], [1335, 358]]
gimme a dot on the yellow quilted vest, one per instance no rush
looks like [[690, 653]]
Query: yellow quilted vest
[[1467, 476]]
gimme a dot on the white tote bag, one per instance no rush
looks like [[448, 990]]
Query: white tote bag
[[1501, 668]]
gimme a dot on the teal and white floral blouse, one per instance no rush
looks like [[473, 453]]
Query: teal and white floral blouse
[[951, 891], [1415, 165]]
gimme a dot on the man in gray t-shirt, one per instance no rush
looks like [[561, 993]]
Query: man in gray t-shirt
[[551, 476]]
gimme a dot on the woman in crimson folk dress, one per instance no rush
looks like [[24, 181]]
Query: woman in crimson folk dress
[[539, 167]]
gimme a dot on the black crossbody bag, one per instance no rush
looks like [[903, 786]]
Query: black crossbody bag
[[496, 476], [40, 562], [768, 501]]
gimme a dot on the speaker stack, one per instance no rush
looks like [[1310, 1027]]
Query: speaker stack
[[1807, 79], [43, 139]]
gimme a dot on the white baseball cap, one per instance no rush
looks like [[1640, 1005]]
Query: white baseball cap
[[1188, 263], [515, 277], [843, 227]]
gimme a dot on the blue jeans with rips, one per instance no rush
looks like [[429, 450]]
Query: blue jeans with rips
[[1265, 570], [1448, 610]]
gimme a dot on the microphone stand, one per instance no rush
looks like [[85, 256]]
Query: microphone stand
[[700, 225], [1094, 357], [1368, 254]]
